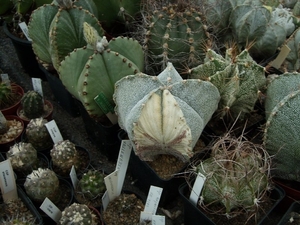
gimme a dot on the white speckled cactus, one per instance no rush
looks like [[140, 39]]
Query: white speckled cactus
[[164, 114], [281, 134]]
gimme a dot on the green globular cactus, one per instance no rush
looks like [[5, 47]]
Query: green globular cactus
[[78, 214], [64, 155], [23, 157], [165, 114], [176, 34], [237, 176], [91, 185], [42, 183], [238, 78], [37, 134], [281, 134], [6, 94], [56, 28], [32, 104], [92, 71]]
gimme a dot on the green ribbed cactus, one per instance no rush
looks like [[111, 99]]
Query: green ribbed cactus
[[176, 34], [239, 79], [78, 214], [93, 70], [32, 104], [6, 93], [37, 134], [237, 176], [42, 183], [23, 157], [64, 155], [281, 134], [91, 185], [165, 114], [56, 28]]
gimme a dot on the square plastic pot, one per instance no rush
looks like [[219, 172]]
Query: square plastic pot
[[292, 215]]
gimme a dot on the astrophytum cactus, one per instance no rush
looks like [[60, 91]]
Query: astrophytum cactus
[[56, 28], [32, 104], [239, 80], [164, 114], [92, 71], [281, 136]]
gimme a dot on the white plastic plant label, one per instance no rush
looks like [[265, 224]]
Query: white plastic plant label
[[197, 188], [51, 210], [122, 163], [5, 79], [158, 220], [277, 62], [54, 131], [111, 183], [24, 28], [7, 181], [73, 177], [145, 217], [153, 199], [105, 200], [37, 85]]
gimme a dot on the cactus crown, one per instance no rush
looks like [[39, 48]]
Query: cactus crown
[[33, 104]]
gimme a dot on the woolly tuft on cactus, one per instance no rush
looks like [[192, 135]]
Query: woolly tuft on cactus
[[33, 104], [165, 114]]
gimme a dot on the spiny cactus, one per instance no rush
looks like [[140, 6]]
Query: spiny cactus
[[23, 157], [92, 71], [237, 176], [32, 104], [64, 155], [239, 80], [176, 34], [37, 134], [42, 183], [281, 136], [3, 124], [78, 214], [60, 32], [91, 185], [165, 114], [5, 94]]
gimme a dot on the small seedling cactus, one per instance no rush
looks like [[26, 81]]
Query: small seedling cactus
[[32, 104], [37, 134], [42, 183], [23, 157], [78, 214], [178, 110], [5, 94]]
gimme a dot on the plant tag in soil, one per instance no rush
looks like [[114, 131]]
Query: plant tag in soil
[[122, 163], [106, 107], [54, 131], [111, 183], [51, 210], [197, 188], [153, 199], [73, 176], [155, 219], [24, 28], [105, 200], [5, 79], [7, 181], [158, 220], [37, 85], [284, 51]]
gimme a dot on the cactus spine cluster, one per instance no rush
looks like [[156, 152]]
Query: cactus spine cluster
[[32, 104], [78, 214], [178, 110], [42, 183]]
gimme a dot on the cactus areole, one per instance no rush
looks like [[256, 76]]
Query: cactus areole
[[165, 114]]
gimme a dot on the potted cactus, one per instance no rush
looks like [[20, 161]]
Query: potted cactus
[[178, 110]]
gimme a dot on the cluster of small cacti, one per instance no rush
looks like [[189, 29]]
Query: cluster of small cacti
[[32, 104], [78, 214], [165, 114], [37, 134], [91, 185], [23, 157], [42, 183], [237, 176]]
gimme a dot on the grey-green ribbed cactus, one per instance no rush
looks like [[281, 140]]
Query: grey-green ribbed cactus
[[78, 214], [32, 104], [281, 136], [237, 176], [165, 114], [56, 28], [42, 183], [23, 157], [239, 79], [92, 71]]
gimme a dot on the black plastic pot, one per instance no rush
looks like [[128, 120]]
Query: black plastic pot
[[61, 94], [25, 54], [192, 214], [292, 215]]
